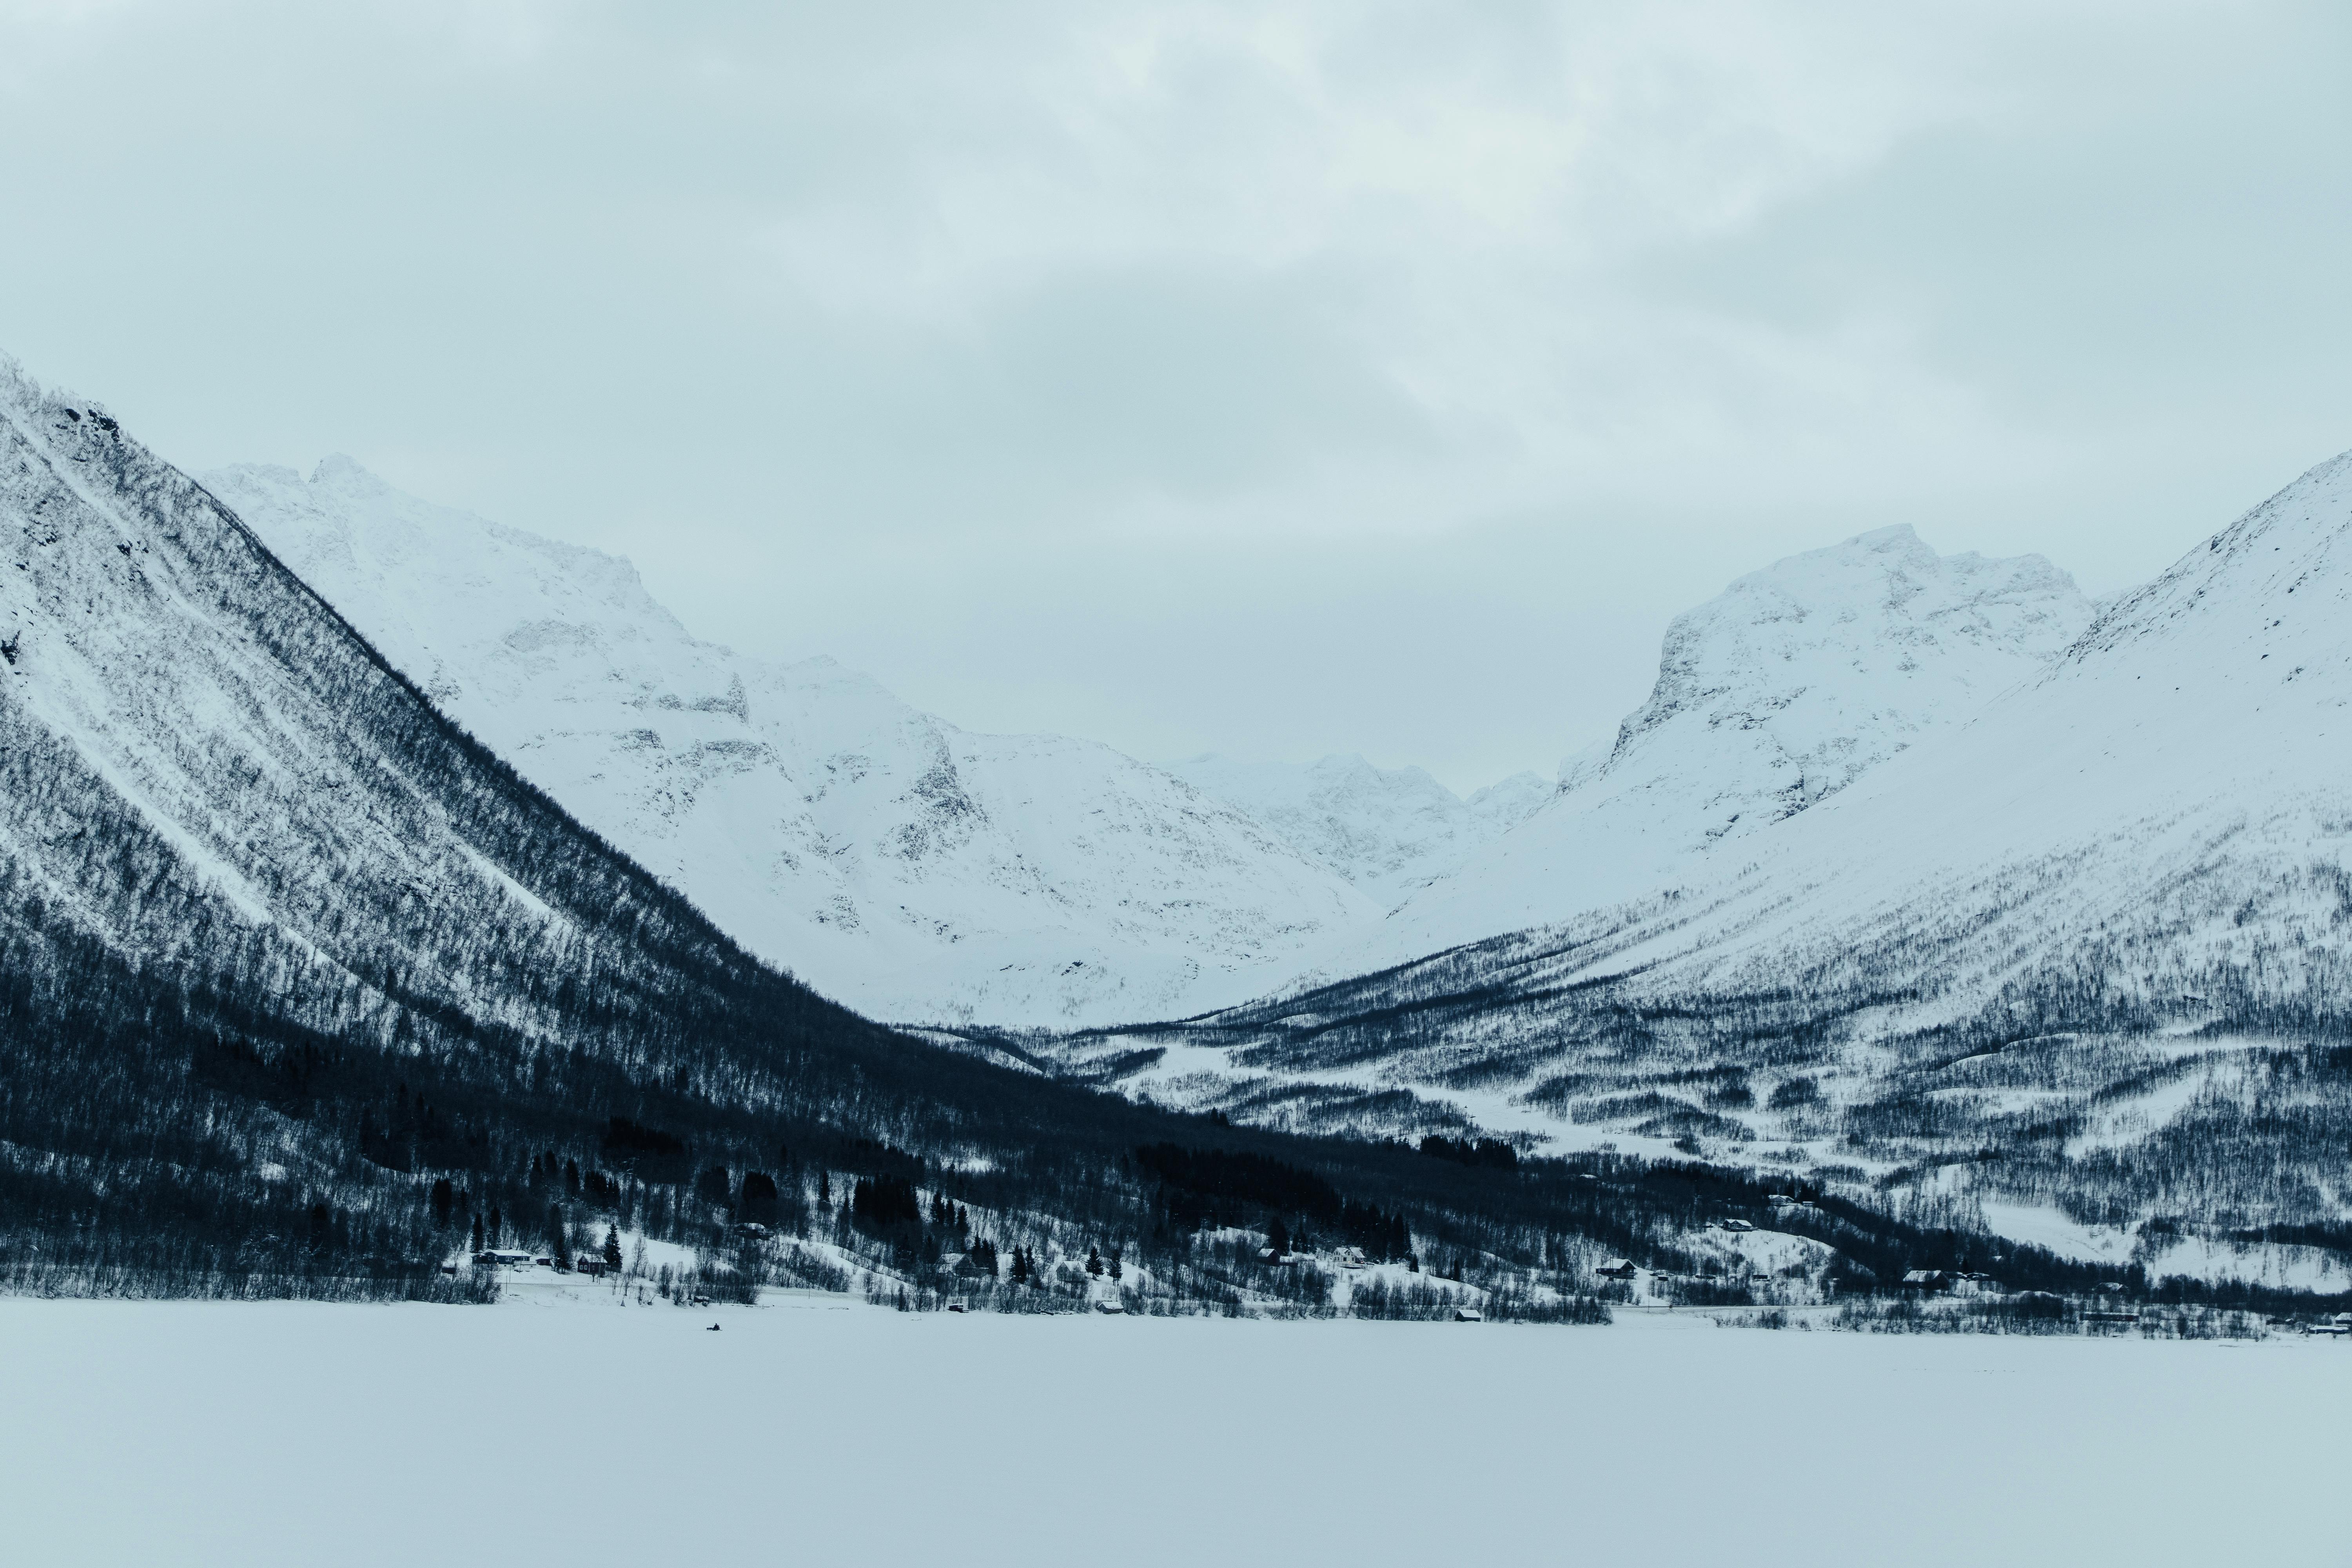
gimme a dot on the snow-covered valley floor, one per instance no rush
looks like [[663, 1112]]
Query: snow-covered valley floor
[[165, 1433]]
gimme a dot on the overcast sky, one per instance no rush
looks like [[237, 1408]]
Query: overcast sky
[[1266, 379]]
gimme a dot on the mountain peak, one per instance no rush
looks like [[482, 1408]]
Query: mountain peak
[[348, 474], [1773, 696], [1896, 538], [1880, 625]]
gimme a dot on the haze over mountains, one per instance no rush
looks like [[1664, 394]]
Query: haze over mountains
[[915, 870], [1389, 832], [923, 873]]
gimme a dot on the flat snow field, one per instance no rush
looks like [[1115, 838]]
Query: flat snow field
[[160, 1433]]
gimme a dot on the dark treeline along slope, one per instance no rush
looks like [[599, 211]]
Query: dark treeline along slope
[[302, 992]]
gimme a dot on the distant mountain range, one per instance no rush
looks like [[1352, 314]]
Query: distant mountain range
[[915, 870], [927, 874]]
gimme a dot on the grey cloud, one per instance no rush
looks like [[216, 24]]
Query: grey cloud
[[1273, 380]]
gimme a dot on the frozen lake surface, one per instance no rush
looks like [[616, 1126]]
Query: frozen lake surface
[[157, 1432]]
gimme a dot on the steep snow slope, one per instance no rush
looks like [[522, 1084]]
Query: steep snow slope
[[211, 777], [1793, 683], [2175, 778], [912, 870], [1388, 831], [2174, 786]]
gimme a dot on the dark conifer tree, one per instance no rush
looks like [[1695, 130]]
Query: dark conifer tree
[[760, 1197], [881, 1203]]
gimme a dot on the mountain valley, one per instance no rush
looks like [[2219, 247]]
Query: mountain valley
[[1921, 889], [306, 993], [913, 869]]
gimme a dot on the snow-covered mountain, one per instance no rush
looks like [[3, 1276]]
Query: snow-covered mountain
[[928, 874], [910, 868], [215, 787], [1389, 831], [2074, 965], [1771, 698], [2080, 962]]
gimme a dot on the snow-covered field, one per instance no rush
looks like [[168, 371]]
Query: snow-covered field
[[185, 1433]]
